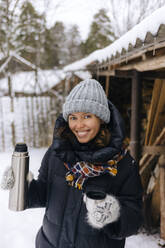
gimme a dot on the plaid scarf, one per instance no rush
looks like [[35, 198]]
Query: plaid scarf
[[81, 171]]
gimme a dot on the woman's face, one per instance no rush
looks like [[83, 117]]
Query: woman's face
[[85, 126]]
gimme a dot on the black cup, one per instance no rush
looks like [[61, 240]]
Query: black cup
[[95, 192]]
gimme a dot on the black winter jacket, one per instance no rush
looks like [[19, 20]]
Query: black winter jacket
[[64, 224]]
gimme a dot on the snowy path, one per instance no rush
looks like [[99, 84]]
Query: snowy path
[[20, 228]]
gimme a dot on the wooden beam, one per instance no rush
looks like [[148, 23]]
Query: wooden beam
[[153, 74], [106, 73], [152, 63], [159, 141], [107, 86], [124, 74], [145, 74], [67, 85], [153, 108], [159, 118], [154, 150], [162, 196], [135, 116], [148, 160]]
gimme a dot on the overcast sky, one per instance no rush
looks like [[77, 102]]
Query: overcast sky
[[78, 12], [81, 12]]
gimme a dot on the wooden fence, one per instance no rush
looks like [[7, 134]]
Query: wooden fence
[[32, 121]]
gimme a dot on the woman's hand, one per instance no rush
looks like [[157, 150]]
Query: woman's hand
[[102, 212], [8, 179]]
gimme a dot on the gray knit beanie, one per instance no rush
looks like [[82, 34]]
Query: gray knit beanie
[[88, 96]]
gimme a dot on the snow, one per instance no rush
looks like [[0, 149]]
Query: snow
[[83, 74], [81, 64], [25, 81], [28, 116], [149, 24], [47, 79], [21, 228]]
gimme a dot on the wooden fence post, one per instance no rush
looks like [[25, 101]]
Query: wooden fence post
[[11, 95], [2, 125]]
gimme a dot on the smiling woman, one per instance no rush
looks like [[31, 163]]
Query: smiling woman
[[88, 181], [91, 189]]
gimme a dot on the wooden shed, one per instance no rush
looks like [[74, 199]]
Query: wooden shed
[[132, 72]]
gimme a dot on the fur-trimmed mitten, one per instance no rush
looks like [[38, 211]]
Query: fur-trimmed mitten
[[8, 179], [102, 212]]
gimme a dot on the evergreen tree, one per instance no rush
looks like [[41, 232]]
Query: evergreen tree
[[2, 27], [65, 44], [56, 45], [100, 34], [73, 44], [8, 23], [31, 31]]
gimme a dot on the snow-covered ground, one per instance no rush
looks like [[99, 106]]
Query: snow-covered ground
[[18, 229]]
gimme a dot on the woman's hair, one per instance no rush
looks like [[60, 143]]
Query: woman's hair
[[102, 139]]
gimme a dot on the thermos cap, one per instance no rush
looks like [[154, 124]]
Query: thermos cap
[[21, 147]]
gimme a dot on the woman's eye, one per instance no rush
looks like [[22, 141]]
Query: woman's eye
[[72, 118], [87, 116]]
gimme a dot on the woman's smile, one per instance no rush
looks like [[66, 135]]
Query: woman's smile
[[82, 133]]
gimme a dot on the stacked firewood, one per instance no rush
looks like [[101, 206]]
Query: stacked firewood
[[152, 163]]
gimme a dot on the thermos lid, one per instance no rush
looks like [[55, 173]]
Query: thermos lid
[[21, 147]]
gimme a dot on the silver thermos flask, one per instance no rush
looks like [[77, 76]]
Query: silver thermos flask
[[20, 167]]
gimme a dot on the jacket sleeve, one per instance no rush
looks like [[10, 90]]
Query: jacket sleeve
[[130, 200], [37, 191]]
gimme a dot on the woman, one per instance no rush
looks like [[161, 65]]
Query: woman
[[88, 182]]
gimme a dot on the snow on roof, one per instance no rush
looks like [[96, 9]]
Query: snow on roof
[[81, 64], [83, 74], [149, 24], [25, 81]]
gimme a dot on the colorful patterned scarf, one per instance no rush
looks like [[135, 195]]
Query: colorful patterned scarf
[[78, 173]]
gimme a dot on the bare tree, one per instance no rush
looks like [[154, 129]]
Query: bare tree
[[49, 7], [125, 14]]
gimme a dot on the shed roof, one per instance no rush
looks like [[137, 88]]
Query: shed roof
[[149, 32]]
